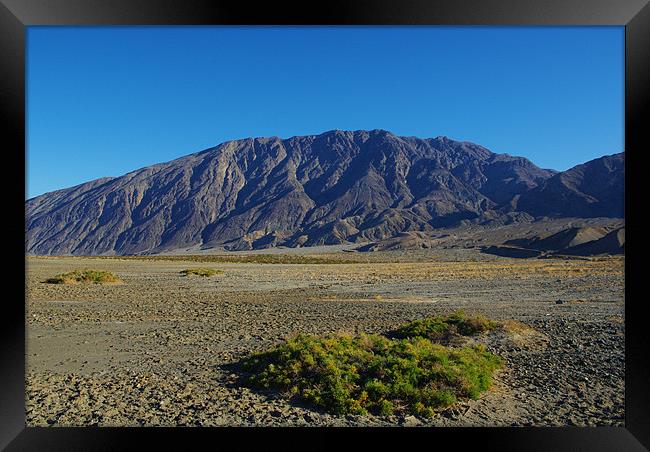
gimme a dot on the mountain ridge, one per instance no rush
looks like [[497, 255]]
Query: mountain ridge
[[335, 187]]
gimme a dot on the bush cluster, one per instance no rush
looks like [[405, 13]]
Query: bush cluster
[[443, 329], [345, 374], [84, 277]]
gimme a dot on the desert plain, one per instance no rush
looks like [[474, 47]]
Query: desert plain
[[161, 349]]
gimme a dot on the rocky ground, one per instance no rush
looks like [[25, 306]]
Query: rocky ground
[[159, 349]]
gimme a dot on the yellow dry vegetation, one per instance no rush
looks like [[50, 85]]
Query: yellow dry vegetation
[[523, 335], [477, 270]]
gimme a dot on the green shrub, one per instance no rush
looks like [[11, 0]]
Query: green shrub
[[440, 329], [200, 272], [84, 277], [362, 374]]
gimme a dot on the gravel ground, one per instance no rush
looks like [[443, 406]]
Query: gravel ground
[[160, 349]]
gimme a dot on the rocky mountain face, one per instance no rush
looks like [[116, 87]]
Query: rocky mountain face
[[332, 188], [593, 189]]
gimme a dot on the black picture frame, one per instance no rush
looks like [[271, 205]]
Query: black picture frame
[[16, 15]]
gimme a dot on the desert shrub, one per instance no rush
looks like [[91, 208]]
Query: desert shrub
[[362, 374], [84, 277], [200, 272], [441, 328]]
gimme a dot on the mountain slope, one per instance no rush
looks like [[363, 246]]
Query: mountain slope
[[593, 189], [612, 243], [567, 238], [336, 187]]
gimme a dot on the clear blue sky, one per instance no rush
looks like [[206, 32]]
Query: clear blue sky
[[103, 101]]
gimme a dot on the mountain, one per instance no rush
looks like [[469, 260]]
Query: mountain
[[593, 189], [336, 187]]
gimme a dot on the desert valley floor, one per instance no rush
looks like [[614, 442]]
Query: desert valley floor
[[159, 349]]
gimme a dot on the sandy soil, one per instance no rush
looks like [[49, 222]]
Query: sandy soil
[[159, 349]]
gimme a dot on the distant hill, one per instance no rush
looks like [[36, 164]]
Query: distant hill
[[567, 238], [332, 188], [573, 241], [612, 243]]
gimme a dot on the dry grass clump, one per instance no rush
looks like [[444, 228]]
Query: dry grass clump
[[207, 272], [84, 277], [523, 335]]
